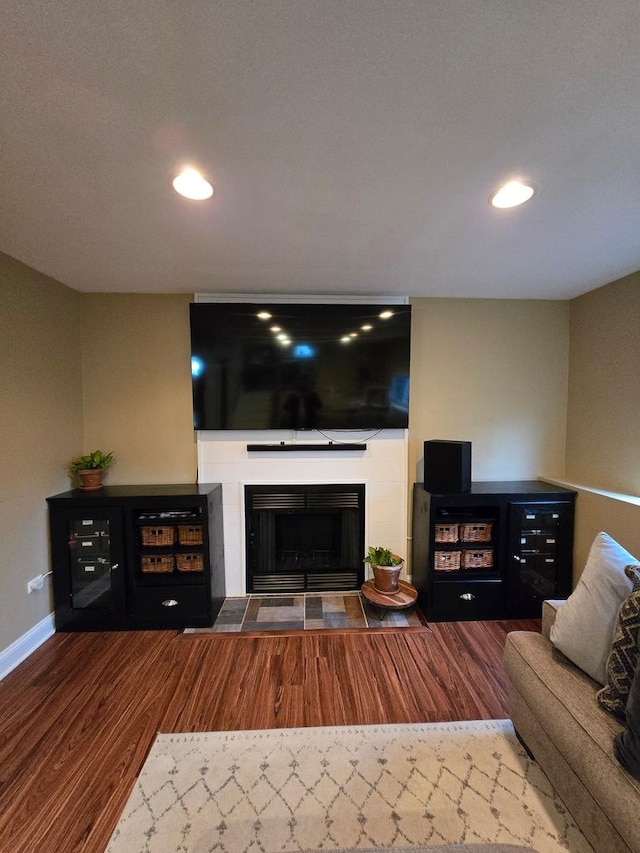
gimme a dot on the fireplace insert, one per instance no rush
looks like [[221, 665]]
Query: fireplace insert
[[304, 538]]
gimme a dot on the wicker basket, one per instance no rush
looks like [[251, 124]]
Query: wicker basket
[[472, 559], [476, 531], [446, 532], [190, 534], [158, 537], [446, 561], [157, 564], [190, 562]]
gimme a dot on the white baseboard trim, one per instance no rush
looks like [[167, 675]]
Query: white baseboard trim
[[25, 645]]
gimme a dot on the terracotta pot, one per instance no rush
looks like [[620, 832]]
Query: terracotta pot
[[91, 479], [385, 578]]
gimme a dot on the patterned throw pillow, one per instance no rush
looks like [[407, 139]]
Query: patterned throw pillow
[[626, 745], [624, 653]]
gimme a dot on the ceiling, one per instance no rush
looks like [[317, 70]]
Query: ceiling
[[353, 144]]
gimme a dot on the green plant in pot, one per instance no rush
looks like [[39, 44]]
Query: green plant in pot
[[386, 567], [90, 468]]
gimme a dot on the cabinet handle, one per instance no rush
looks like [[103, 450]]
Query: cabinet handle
[[169, 602], [467, 596]]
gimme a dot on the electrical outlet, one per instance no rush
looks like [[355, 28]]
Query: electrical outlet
[[35, 583]]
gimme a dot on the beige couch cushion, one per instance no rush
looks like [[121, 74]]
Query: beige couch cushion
[[563, 700]]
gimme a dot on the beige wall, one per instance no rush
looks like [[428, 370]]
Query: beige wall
[[596, 512], [136, 367], [493, 372], [40, 431], [603, 416]]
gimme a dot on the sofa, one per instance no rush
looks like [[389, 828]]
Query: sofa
[[553, 707]]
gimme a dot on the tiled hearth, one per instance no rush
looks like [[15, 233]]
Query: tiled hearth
[[304, 612]]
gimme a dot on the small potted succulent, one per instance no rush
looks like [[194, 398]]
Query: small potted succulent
[[386, 567], [90, 468]]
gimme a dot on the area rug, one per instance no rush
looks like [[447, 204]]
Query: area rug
[[304, 612], [348, 787]]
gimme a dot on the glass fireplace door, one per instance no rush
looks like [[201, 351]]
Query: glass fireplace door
[[304, 538]]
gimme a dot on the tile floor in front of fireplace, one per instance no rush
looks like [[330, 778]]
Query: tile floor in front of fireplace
[[305, 611]]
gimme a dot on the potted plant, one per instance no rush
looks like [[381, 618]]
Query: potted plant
[[386, 567], [90, 468]]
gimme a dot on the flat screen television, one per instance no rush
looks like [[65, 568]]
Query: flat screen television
[[300, 366]]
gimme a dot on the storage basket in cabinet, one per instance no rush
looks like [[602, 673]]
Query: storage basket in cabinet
[[446, 561], [477, 559], [190, 562], [190, 534], [446, 532], [476, 531], [157, 563], [158, 537]]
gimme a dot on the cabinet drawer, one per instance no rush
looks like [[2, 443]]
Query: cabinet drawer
[[536, 518], [538, 575], [544, 564], [96, 545], [89, 570], [460, 600], [538, 540], [176, 606]]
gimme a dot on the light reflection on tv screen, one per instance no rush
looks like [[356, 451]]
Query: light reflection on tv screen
[[300, 366]]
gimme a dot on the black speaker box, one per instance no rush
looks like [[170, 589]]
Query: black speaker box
[[447, 466]]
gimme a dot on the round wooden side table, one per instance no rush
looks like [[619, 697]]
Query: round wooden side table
[[404, 597]]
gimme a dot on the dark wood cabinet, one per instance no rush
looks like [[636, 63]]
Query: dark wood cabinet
[[494, 552], [128, 557]]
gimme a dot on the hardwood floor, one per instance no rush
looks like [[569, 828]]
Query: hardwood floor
[[78, 717]]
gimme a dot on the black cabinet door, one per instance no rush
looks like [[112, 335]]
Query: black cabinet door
[[87, 548], [539, 555]]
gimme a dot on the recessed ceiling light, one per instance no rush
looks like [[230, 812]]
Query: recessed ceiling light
[[191, 184], [511, 194], [263, 315], [386, 314]]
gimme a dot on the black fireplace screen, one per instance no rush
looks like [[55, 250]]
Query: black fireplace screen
[[304, 538]]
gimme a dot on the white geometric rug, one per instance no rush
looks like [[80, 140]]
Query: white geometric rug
[[343, 787]]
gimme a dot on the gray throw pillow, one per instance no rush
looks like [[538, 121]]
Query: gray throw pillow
[[626, 745], [623, 657]]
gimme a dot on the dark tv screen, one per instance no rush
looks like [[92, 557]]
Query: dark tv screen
[[300, 366]]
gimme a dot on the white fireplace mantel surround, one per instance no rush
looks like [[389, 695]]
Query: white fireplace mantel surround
[[223, 458]]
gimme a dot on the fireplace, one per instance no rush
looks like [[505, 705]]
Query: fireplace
[[304, 538]]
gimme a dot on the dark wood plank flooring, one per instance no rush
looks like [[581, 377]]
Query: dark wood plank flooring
[[78, 717]]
